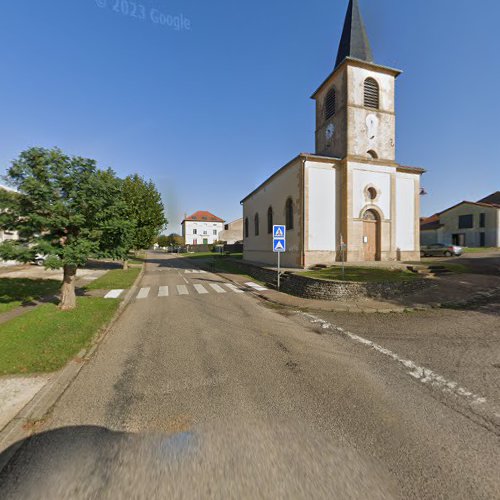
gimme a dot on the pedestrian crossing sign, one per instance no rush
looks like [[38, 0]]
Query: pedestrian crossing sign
[[279, 245], [279, 232]]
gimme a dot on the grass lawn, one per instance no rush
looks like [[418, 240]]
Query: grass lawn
[[43, 340], [481, 250], [117, 278], [17, 291], [361, 274]]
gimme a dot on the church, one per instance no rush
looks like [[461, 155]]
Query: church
[[350, 199]]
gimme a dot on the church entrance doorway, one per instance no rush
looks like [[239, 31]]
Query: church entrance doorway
[[371, 235]]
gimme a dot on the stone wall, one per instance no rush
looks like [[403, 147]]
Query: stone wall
[[302, 286]]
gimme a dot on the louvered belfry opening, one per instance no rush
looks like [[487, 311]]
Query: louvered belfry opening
[[371, 93], [330, 104]]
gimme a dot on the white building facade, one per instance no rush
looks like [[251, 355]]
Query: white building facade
[[351, 191], [201, 228]]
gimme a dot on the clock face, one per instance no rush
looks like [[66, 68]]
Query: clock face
[[330, 130], [371, 126]]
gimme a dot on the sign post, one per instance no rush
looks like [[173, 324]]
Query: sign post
[[279, 246]]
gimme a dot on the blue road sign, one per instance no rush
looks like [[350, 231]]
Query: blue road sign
[[279, 232], [279, 245]]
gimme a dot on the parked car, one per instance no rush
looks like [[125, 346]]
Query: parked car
[[441, 250], [40, 259]]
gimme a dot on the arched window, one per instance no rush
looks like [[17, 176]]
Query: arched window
[[256, 224], [371, 93], [270, 220], [289, 213], [246, 228], [330, 104], [373, 154]]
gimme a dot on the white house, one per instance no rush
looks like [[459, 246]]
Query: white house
[[201, 228], [467, 224], [351, 190]]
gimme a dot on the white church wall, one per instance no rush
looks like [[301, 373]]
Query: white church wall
[[275, 193], [321, 207], [364, 176], [405, 212]]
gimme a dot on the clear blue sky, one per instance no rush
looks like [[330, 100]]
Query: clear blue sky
[[209, 112]]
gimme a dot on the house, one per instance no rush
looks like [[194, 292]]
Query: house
[[201, 228], [466, 224], [233, 232], [351, 191]]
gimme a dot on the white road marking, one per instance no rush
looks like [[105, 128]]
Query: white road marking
[[234, 288], [257, 287], [143, 293], [163, 292], [113, 294], [420, 373], [217, 288], [182, 290], [200, 289]]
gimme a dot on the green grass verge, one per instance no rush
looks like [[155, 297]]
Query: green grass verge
[[45, 339], [117, 278], [481, 250], [17, 291], [360, 274]]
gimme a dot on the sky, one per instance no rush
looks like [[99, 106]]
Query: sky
[[208, 99]]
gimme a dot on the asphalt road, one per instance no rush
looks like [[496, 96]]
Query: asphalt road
[[217, 395]]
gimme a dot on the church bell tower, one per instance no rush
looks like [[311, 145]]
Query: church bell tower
[[355, 108]]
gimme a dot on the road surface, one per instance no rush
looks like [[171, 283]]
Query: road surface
[[201, 390]]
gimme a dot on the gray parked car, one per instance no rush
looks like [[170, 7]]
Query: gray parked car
[[440, 250]]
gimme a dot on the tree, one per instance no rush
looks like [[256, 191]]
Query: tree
[[163, 241], [145, 209], [175, 240], [65, 208]]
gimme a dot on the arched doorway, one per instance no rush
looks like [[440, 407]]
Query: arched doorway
[[371, 235]]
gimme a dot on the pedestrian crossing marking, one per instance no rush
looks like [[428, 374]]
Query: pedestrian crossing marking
[[217, 288], [163, 292], [182, 290], [233, 288], [143, 293], [113, 294], [257, 287], [200, 289], [195, 271]]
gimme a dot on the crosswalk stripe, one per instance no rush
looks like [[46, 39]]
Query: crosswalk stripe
[[182, 290], [113, 294], [234, 288], [200, 289], [255, 286], [217, 288], [163, 292], [143, 293]]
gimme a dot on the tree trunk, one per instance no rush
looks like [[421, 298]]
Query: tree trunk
[[125, 265], [68, 296]]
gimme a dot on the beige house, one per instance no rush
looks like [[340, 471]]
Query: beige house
[[467, 224], [351, 190], [233, 232]]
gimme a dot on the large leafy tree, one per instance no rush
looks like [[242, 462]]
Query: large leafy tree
[[146, 210], [65, 208]]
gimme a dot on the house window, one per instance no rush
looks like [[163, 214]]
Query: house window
[[256, 224], [330, 104], [482, 220], [205, 232], [371, 93], [246, 228], [482, 239], [195, 231], [466, 221], [270, 220], [458, 240], [289, 213], [215, 232], [195, 242]]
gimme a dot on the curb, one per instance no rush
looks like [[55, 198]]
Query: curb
[[17, 430]]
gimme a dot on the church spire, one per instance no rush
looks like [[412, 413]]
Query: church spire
[[354, 42]]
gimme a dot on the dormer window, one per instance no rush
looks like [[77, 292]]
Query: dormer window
[[372, 92], [330, 104]]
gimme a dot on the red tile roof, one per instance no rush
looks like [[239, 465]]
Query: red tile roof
[[203, 216]]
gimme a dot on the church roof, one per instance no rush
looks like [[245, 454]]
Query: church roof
[[492, 198], [354, 42]]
